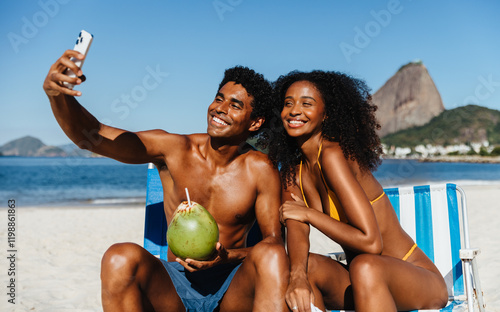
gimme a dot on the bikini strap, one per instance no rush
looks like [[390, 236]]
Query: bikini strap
[[300, 174], [300, 183], [381, 195], [319, 166], [319, 153], [408, 254]]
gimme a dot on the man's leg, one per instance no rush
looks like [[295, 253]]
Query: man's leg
[[261, 281], [135, 280]]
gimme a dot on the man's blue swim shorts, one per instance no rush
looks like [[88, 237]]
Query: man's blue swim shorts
[[201, 291]]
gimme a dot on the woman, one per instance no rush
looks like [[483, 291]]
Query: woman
[[326, 152]]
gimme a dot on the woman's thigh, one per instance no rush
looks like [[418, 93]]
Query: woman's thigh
[[411, 286]]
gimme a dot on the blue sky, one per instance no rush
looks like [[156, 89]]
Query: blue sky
[[180, 49]]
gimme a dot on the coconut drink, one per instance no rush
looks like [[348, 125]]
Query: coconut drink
[[193, 232]]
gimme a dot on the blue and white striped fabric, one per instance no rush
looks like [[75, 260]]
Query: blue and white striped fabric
[[430, 215]]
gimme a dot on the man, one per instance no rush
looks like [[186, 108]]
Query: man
[[235, 185]]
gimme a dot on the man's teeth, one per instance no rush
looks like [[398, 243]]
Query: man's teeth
[[220, 121]]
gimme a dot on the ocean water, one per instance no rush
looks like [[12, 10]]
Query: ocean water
[[58, 181], [74, 181]]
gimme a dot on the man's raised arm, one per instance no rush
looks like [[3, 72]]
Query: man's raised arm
[[85, 130]]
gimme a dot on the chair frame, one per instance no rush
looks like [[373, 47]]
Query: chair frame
[[468, 257]]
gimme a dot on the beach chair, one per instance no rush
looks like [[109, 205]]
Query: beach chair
[[436, 218], [433, 215], [155, 227]]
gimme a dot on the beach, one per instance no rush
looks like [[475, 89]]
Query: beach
[[58, 250]]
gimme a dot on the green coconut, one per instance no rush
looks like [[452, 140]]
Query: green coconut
[[193, 232]]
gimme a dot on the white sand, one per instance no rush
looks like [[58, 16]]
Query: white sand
[[484, 226], [59, 251]]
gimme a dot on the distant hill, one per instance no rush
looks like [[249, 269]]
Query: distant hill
[[408, 99], [29, 146], [466, 124], [72, 150], [26, 146]]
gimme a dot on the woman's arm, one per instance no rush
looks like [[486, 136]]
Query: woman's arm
[[362, 233], [299, 292]]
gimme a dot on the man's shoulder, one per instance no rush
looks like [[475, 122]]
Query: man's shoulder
[[177, 148], [258, 160], [172, 146]]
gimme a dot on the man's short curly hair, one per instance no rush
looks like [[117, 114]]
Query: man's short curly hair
[[256, 86], [350, 120]]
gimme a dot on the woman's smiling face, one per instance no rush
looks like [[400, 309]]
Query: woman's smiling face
[[303, 109]]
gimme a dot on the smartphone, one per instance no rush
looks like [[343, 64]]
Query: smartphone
[[82, 45]]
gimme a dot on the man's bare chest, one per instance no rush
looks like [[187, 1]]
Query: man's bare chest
[[228, 195]]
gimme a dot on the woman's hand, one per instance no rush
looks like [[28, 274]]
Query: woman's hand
[[299, 295], [195, 265], [295, 210], [53, 84]]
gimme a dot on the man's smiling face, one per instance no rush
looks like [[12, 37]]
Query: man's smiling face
[[229, 113]]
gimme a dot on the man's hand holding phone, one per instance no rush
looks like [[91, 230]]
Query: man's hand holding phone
[[66, 72]]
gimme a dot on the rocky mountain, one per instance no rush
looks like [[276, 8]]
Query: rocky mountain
[[29, 146], [466, 124], [408, 99]]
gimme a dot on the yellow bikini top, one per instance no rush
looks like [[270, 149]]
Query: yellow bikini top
[[336, 213], [336, 210]]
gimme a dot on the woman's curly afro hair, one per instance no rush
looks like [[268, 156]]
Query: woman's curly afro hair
[[350, 121], [256, 86]]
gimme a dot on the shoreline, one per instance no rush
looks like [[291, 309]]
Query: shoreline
[[100, 203], [451, 159], [466, 159]]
